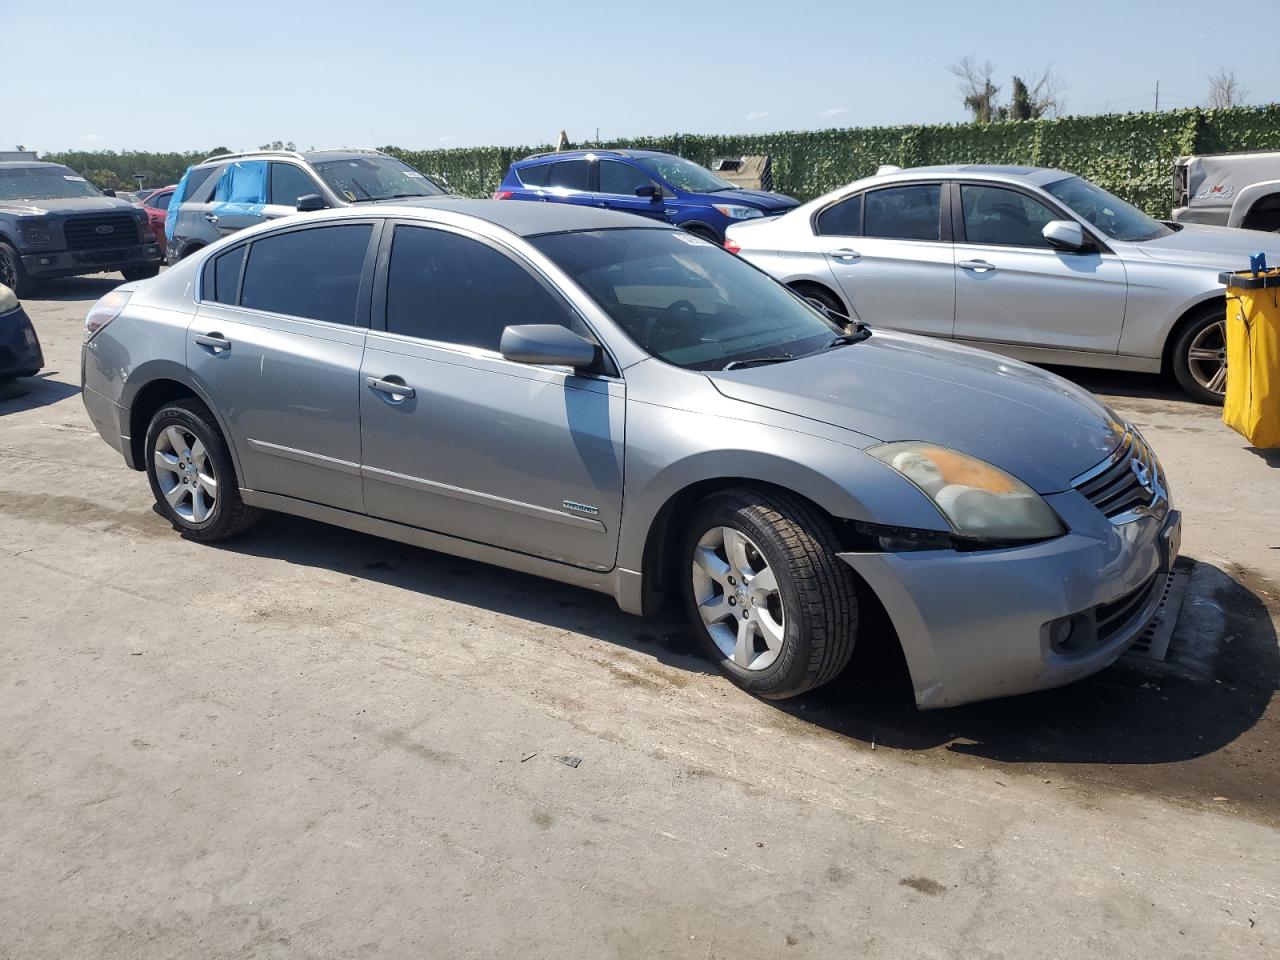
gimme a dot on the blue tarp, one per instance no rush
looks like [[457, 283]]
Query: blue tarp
[[242, 188], [171, 214]]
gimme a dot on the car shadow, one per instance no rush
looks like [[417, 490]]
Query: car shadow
[[28, 393], [1218, 682], [75, 288], [1123, 383]]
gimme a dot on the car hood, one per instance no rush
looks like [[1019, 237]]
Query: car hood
[[1026, 421], [40, 207], [1223, 248], [761, 199]]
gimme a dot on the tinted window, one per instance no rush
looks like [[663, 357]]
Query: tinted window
[[904, 213], [844, 219], [198, 177], [441, 286], [160, 201], [622, 178], [570, 174], [288, 183], [994, 215], [225, 276], [308, 273], [535, 176]]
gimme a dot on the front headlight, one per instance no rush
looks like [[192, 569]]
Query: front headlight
[[36, 233], [977, 499], [738, 213]]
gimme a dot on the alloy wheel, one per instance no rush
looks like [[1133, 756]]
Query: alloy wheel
[[738, 599], [8, 272], [1207, 357], [186, 474]]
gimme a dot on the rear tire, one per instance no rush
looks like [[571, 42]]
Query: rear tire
[[1199, 356], [821, 298], [781, 618], [705, 232], [13, 273], [141, 273], [192, 476]]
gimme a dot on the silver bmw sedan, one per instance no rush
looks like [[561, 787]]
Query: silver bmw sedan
[[622, 406]]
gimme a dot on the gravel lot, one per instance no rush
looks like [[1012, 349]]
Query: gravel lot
[[312, 743]]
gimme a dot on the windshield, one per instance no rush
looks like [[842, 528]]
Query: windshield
[[44, 183], [376, 178], [687, 301], [684, 174], [1114, 217]]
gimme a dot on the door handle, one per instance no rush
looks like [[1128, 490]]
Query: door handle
[[601, 203], [211, 217], [977, 266], [396, 392], [845, 254], [214, 341]]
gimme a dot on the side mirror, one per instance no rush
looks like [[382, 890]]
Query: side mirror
[[311, 202], [547, 343], [650, 190], [1064, 234], [108, 193]]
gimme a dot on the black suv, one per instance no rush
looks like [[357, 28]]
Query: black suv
[[54, 223]]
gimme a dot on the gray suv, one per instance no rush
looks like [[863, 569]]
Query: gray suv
[[232, 191], [578, 394]]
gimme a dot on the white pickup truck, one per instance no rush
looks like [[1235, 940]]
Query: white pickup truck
[[1228, 190]]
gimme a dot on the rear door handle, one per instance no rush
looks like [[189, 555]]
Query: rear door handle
[[977, 266], [214, 341], [845, 254], [395, 391]]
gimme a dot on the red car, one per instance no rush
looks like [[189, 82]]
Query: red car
[[156, 205]]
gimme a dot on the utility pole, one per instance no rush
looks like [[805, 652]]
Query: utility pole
[[1157, 96]]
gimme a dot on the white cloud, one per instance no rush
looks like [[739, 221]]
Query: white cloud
[[834, 112], [448, 139], [758, 115], [91, 139]]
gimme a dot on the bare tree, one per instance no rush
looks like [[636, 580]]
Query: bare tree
[[975, 87], [1225, 90], [1044, 95]]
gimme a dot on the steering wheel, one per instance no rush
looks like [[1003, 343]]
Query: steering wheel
[[664, 321]]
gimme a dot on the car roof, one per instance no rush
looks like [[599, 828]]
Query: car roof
[[595, 152], [522, 218], [30, 164], [1034, 175], [307, 156]]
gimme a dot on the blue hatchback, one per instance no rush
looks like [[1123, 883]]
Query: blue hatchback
[[645, 182]]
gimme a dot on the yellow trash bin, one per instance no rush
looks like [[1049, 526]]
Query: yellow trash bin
[[1252, 406]]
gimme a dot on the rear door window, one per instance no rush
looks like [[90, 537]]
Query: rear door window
[[911, 212], [314, 274], [570, 175], [288, 183]]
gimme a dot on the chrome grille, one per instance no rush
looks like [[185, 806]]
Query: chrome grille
[[1116, 486], [100, 230]]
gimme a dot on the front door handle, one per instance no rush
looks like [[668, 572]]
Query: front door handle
[[211, 217], [845, 254], [396, 390], [214, 341], [977, 266]]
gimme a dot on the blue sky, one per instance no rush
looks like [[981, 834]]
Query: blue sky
[[426, 75]]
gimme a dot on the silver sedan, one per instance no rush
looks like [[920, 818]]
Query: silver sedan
[[1032, 263], [622, 406]]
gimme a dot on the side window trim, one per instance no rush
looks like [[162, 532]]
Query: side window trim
[[363, 295], [381, 271]]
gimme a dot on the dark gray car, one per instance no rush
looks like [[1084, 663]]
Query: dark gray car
[[631, 409], [55, 223]]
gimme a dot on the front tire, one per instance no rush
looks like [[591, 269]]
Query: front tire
[[13, 273], [774, 607], [192, 476], [141, 273], [1199, 357]]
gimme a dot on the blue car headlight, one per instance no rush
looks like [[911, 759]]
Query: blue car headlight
[[734, 212]]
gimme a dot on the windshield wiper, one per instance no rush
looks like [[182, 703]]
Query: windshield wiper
[[862, 333], [758, 361]]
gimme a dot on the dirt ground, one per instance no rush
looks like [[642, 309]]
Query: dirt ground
[[312, 743]]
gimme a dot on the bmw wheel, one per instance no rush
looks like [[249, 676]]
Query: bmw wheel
[[192, 476], [1200, 357], [774, 606]]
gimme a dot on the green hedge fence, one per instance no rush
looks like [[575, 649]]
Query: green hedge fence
[[1130, 154]]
